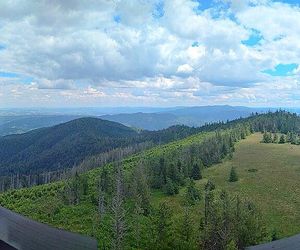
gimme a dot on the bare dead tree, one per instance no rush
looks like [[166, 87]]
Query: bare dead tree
[[101, 203], [118, 211]]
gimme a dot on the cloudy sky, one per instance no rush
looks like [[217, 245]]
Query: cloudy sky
[[56, 53]]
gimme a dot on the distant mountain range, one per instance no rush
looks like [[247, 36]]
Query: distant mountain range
[[17, 124], [190, 116], [16, 121]]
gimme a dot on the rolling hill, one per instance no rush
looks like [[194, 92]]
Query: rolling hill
[[17, 124], [148, 121], [68, 144], [189, 116], [21, 121], [61, 146], [163, 193]]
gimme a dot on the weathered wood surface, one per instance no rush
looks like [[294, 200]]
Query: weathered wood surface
[[290, 243], [25, 234]]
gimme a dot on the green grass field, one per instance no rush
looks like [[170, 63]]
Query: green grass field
[[274, 187]]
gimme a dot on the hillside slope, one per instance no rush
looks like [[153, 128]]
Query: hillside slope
[[273, 188], [269, 175], [62, 145], [68, 144], [157, 192]]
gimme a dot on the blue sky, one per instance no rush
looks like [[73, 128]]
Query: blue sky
[[8, 74], [149, 53], [282, 70]]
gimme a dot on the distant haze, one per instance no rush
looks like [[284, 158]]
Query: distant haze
[[13, 121]]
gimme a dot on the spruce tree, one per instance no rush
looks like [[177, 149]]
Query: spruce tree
[[275, 138], [233, 175], [282, 139], [289, 137], [267, 137], [196, 172], [209, 186], [171, 187], [192, 193], [163, 223], [187, 230]]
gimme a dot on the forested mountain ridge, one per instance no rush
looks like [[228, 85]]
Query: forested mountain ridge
[[68, 144], [132, 203], [61, 145], [17, 124], [85, 203]]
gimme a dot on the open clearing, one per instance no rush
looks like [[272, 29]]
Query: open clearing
[[269, 175], [274, 185]]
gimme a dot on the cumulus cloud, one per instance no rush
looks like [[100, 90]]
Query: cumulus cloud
[[55, 84], [184, 68], [142, 50]]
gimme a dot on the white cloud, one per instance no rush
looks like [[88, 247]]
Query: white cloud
[[79, 50], [184, 68], [94, 92], [274, 21], [55, 84]]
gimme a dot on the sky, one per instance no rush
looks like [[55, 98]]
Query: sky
[[97, 53]]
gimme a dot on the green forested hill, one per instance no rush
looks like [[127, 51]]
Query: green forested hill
[[65, 145], [174, 196], [62, 145]]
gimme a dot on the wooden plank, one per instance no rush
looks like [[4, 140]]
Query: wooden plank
[[23, 233]]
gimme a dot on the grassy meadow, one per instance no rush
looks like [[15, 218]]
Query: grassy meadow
[[269, 176]]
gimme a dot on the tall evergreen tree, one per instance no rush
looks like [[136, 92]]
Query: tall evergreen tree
[[171, 188], [275, 138], [141, 190], [163, 225], [186, 231], [192, 193], [196, 172], [233, 175], [282, 139], [267, 138]]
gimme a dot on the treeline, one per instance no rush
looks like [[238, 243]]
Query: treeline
[[129, 220], [67, 145], [170, 169], [126, 219], [290, 137], [16, 181], [279, 122], [128, 204]]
